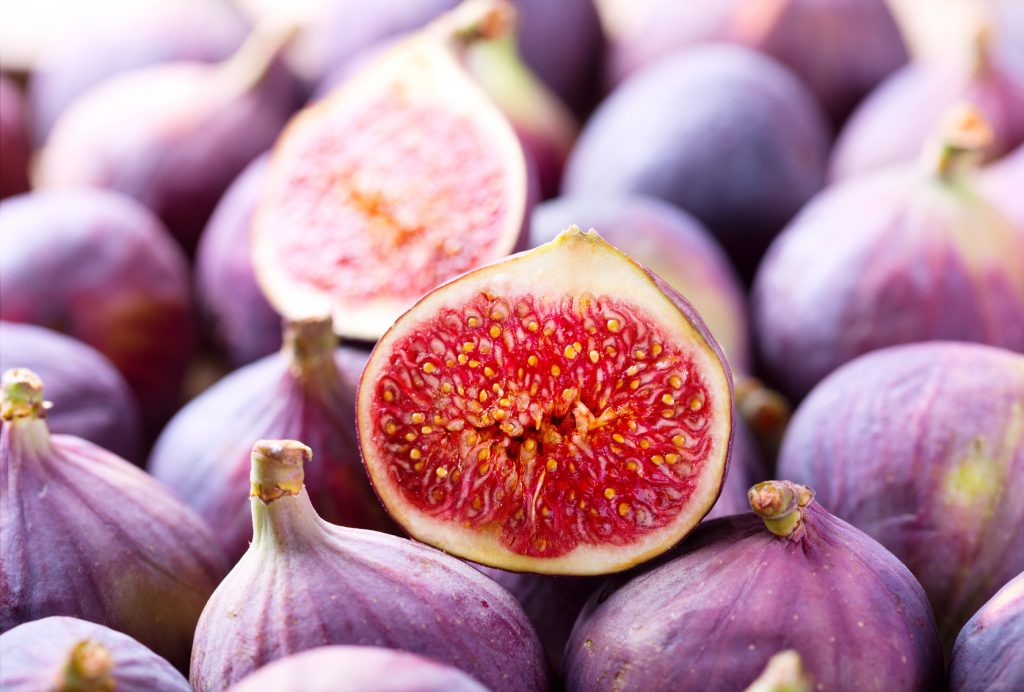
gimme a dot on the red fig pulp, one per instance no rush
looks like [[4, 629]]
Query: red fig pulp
[[563, 411], [988, 654], [14, 140]]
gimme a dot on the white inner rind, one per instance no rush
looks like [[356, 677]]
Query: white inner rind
[[574, 263], [424, 72]]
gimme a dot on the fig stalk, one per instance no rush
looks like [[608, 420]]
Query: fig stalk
[[22, 395], [308, 346], [781, 504], [89, 668], [246, 68], [474, 20], [964, 137]]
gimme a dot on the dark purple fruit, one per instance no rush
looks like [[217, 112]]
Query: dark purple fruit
[[14, 140], [989, 654], [1002, 182]]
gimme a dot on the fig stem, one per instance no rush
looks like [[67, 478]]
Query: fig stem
[[21, 395], [247, 67], [784, 673], [277, 469], [475, 20], [88, 669], [781, 505], [963, 137], [309, 344], [981, 51]]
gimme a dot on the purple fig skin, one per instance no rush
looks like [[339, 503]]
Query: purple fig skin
[[895, 257], [88, 535], [201, 125], [305, 583], [91, 399], [203, 453], [988, 654], [356, 669], [130, 301], [35, 655], [170, 30], [1002, 182], [737, 594], [727, 134], [941, 481], [235, 311], [673, 245], [14, 141]]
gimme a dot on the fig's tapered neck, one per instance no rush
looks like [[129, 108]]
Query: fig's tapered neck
[[474, 20], [246, 69], [89, 668], [21, 395], [309, 347], [781, 504], [282, 514], [981, 51], [961, 142]]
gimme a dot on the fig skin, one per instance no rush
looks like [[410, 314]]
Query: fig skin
[[307, 390], [736, 594], [201, 124], [91, 399], [35, 655], [725, 133], [236, 313], [305, 583], [940, 484], [987, 654], [66, 501], [164, 31], [14, 140], [130, 301], [1002, 181], [355, 669]]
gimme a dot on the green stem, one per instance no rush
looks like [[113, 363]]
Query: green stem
[[21, 395], [309, 345], [961, 142], [277, 469], [89, 668], [781, 504]]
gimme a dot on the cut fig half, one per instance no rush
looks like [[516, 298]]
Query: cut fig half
[[563, 411], [405, 176]]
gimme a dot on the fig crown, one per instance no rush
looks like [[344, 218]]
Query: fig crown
[[88, 669], [781, 505], [277, 469], [21, 395], [784, 673], [472, 20], [961, 140]]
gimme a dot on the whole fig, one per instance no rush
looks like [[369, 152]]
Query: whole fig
[[988, 654], [1002, 182]]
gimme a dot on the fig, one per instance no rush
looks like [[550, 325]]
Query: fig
[[403, 177], [1002, 182], [727, 134], [92, 399], [894, 121], [840, 48], [305, 583], [940, 484], [65, 504], [14, 140], [67, 654], [136, 36], [742, 588], [97, 266], [910, 254], [174, 135], [988, 654], [354, 669], [526, 417], [307, 390], [673, 245], [235, 311]]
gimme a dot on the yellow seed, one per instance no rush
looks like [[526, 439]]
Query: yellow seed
[[438, 419], [429, 367], [461, 390], [483, 396], [426, 430], [390, 428], [410, 436], [668, 413], [530, 445], [418, 466], [417, 418], [632, 370], [471, 437], [631, 465], [494, 331], [668, 399], [545, 511], [577, 346], [498, 315], [572, 467], [613, 325], [441, 471], [463, 358], [415, 454], [556, 371], [474, 364], [532, 360], [671, 458], [505, 402], [389, 395], [488, 372], [446, 387], [639, 355], [609, 493], [484, 453], [633, 426], [450, 363], [533, 326], [618, 438], [499, 415], [484, 468], [594, 356], [623, 509], [656, 349], [468, 346], [678, 440], [552, 465], [675, 381], [644, 444], [473, 321], [569, 352], [635, 384], [582, 504], [696, 404], [657, 460]]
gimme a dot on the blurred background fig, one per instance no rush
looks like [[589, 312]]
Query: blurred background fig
[[987, 654], [14, 140], [97, 266], [174, 135], [740, 589], [1002, 182], [305, 583], [91, 399], [723, 132], [940, 482], [911, 254], [68, 654], [88, 535], [307, 390]]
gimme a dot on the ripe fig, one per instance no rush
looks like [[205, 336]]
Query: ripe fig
[[355, 669], [97, 266], [70, 655], [92, 399], [173, 136], [911, 254], [1002, 183], [839, 48], [893, 123], [742, 588], [236, 313], [87, 534], [528, 417], [940, 484], [305, 583], [14, 140], [402, 178], [727, 134], [307, 390], [988, 653]]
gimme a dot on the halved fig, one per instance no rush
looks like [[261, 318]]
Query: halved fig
[[405, 176], [563, 411]]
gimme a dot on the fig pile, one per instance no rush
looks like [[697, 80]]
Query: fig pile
[[448, 345]]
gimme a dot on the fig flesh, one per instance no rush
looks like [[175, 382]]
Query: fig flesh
[[88, 535], [742, 588], [940, 484], [71, 655], [305, 583], [988, 654], [14, 140], [527, 417]]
